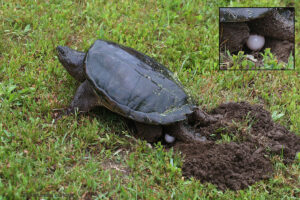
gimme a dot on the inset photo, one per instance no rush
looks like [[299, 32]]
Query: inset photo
[[256, 38]]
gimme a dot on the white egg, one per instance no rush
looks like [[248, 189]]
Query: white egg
[[169, 138], [255, 42]]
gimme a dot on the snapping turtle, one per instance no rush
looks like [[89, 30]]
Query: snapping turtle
[[133, 85]]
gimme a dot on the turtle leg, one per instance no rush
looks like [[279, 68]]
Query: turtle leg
[[84, 99], [202, 118], [181, 132], [150, 133]]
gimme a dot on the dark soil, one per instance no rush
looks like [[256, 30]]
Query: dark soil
[[281, 48], [231, 165], [233, 36], [255, 138]]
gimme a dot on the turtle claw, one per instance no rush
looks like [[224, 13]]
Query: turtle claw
[[59, 113], [69, 111], [66, 112], [73, 111], [202, 118]]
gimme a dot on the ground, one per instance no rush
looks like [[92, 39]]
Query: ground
[[95, 155]]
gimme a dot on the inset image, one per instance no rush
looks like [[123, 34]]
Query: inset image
[[257, 38]]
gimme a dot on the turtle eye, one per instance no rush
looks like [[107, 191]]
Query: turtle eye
[[60, 50]]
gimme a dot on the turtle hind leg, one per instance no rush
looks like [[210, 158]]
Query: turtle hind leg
[[181, 132], [150, 133], [84, 99], [200, 117]]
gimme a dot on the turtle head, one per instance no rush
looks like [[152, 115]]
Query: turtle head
[[73, 61]]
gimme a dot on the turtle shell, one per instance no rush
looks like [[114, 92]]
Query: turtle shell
[[135, 85], [242, 14]]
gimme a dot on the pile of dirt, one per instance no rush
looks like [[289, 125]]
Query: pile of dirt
[[246, 159], [229, 165]]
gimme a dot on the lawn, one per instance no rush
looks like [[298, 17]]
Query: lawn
[[95, 156]]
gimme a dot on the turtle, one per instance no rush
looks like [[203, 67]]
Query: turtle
[[133, 85]]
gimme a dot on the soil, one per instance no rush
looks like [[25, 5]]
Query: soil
[[231, 165], [280, 48], [255, 138], [233, 36]]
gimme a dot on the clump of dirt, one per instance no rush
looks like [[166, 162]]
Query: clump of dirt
[[245, 160], [229, 165], [262, 130]]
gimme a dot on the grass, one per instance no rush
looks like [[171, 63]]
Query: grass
[[95, 156], [248, 62]]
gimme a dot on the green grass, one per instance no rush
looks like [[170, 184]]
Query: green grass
[[241, 62], [96, 156]]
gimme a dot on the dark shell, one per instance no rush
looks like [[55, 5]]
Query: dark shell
[[135, 85], [242, 14]]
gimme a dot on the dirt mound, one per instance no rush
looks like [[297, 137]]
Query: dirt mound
[[254, 137], [260, 129], [233, 166]]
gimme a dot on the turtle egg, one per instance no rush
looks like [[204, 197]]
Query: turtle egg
[[255, 42], [169, 138]]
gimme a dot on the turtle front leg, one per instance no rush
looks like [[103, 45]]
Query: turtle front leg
[[84, 99]]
